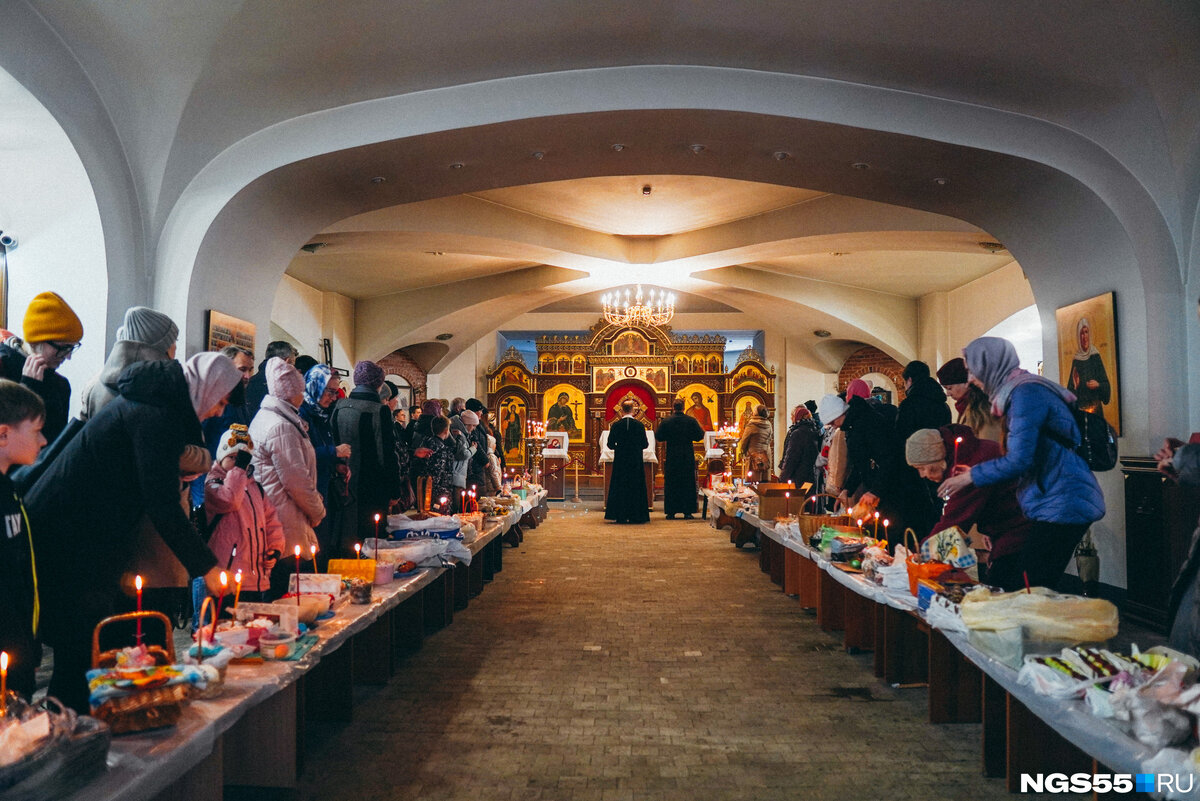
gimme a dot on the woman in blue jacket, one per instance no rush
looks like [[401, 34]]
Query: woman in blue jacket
[[1056, 490]]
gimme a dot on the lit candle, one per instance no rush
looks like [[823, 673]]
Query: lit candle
[[377, 531], [860, 530], [312, 550], [358, 550], [297, 552], [787, 500], [3, 682], [137, 583], [221, 598], [886, 523], [813, 501], [957, 442], [877, 525], [237, 591]]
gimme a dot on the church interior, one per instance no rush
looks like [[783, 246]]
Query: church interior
[[473, 194]]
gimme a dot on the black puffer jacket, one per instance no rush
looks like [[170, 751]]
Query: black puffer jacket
[[86, 506], [800, 452], [924, 407]]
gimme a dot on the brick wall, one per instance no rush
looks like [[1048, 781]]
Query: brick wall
[[871, 360], [399, 363]]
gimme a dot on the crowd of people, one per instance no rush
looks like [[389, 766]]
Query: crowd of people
[[177, 472]]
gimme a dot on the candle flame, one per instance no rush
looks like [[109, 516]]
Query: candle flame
[[377, 517], [4, 660], [877, 515], [957, 440], [357, 547], [237, 577], [297, 550], [224, 580], [787, 494], [313, 550], [859, 521], [137, 582]]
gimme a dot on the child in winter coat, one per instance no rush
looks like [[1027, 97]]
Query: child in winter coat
[[241, 516]]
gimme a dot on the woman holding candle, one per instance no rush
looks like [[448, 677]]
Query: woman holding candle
[[993, 510], [243, 518], [1056, 489], [286, 464], [87, 505]]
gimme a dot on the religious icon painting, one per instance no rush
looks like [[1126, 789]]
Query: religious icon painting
[[700, 402], [749, 374], [743, 407], [682, 364], [715, 364], [630, 343], [603, 378], [513, 420], [578, 365], [1087, 355], [564, 410]]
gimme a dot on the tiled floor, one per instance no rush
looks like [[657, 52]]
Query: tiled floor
[[639, 662]]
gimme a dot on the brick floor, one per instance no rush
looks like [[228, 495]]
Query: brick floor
[[647, 662]]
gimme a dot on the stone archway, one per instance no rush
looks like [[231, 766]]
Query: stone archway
[[872, 360]]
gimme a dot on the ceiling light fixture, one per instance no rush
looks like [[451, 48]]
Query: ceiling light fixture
[[657, 310], [822, 333], [435, 253], [992, 247], [861, 165], [378, 179], [458, 165], [781, 155], [538, 154], [647, 189], [617, 147], [697, 148], [444, 337], [313, 247], [940, 181]]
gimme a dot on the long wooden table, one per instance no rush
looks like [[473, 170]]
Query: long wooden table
[[252, 734], [1023, 732]]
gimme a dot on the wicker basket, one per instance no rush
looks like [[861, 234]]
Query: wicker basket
[[148, 709], [811, 523]]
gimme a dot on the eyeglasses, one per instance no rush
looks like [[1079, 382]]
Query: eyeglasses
[[64, 349]]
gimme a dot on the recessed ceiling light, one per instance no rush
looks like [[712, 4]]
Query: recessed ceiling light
[[940, 181], [617, 147], [822, 333], [838, 253], [781, 155], [538, 154], [647, 189], [991, 246], [378, 179], [435, 253], [444, 337], [697, 148], [458, 165], [313, 247], [861, 165]]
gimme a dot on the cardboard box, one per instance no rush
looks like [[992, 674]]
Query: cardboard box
[[773, 503]]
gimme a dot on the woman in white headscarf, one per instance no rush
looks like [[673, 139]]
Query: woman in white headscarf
[[1088, 379], [86, 507]]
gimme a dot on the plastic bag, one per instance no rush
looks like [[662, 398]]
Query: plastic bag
[[1044, 614]]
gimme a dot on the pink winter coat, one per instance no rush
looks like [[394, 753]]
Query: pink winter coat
[[247, 520], [286, 466]]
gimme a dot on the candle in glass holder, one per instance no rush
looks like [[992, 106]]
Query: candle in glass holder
[[137, 584], [297, 552]]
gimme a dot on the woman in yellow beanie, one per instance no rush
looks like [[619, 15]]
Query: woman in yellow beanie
[[52, 333]]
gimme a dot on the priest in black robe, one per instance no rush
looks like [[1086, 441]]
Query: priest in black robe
[[627, 485], [679, 431]]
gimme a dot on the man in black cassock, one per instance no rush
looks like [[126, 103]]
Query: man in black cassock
[[627, 486], [679, 431]]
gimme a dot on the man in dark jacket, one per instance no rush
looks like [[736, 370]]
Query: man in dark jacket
[[85, 509], [52, 333], [924, 405], [256, 389], [678, 432], [365, 424]]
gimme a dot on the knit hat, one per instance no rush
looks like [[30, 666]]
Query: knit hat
[[210, 377], [476, 405], [50, 319], [830, 408], [925, 446], [368, 374], [283, 380], [469, 418], [431, 407], [952, 372], [148, 327], [800, 413], [857, 389], [237, 438]]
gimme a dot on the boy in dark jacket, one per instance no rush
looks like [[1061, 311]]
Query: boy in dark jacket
[[22, 415]]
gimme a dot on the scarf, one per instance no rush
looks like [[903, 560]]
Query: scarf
[[1082, 355], [995, 363], [314, 388]]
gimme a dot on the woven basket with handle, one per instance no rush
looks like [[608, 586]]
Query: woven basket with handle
[[810, 523], [147, 709]]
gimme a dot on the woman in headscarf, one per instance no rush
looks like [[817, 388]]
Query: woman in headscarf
[[1055, 488], [1088, 378], [757, 444], [286, 466], [800, 448], [321, 389], [85, 508]]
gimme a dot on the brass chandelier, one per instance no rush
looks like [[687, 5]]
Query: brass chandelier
[[658, 309]]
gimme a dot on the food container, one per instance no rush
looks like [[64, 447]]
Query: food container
[[277, 645], [360, 592], [384, 571], [1011, 645]]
